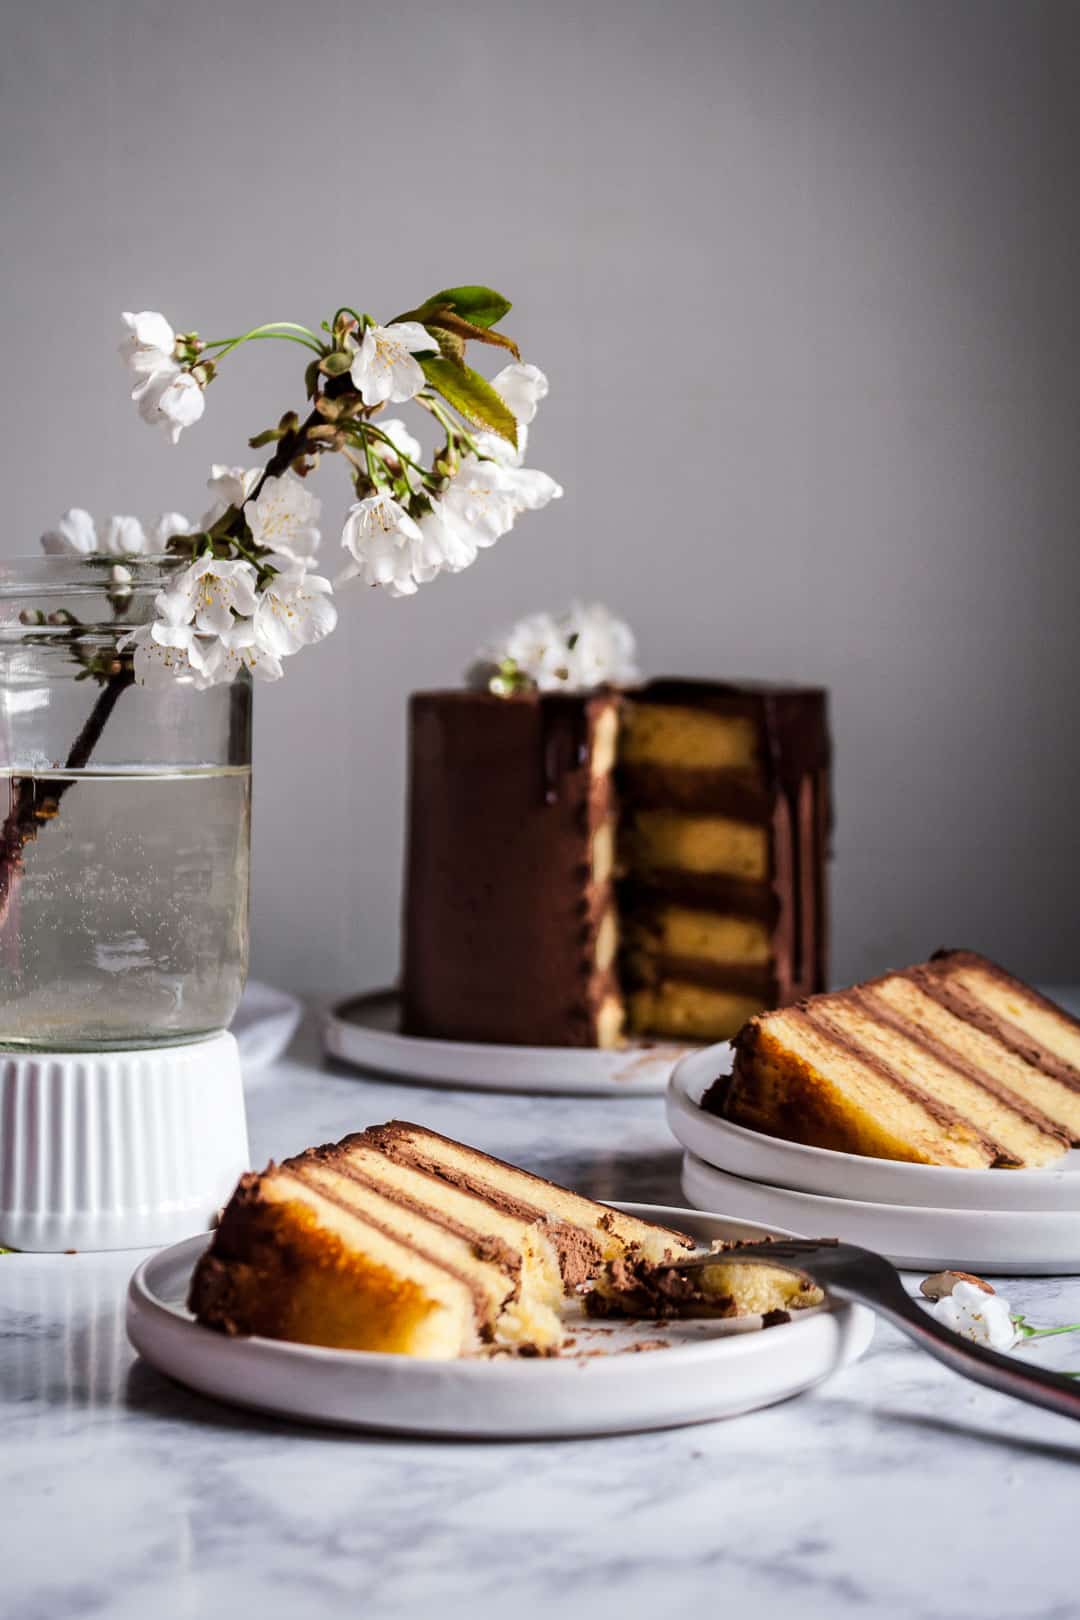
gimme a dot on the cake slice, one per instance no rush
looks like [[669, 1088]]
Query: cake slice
[[400, 1240], [951, 1062]]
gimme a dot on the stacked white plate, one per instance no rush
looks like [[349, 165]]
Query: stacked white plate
[[924, 1217]]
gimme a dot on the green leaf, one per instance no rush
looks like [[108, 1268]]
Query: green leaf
[[447, 321], [472, 396], [451, 347], [480, 305]]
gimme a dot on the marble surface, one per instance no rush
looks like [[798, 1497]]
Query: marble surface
[[895, 1490]]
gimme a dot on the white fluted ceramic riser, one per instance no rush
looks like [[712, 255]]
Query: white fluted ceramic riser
[[116, 1150]]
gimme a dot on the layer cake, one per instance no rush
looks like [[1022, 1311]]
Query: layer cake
[[583, 865], [400, 1240], [951, 1062]]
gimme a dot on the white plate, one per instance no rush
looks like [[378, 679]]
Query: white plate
[[770, 1159], [709, 1371], [367, 1031], [266, 1021], [1024, 1243]]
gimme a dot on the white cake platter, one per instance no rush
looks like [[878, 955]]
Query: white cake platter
[[366, 1031], [614, 1379], [756, 1156], [1018, 1243]]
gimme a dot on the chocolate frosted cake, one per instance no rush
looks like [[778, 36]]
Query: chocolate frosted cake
[[403, 1241], [951, 1062], [586, 865]]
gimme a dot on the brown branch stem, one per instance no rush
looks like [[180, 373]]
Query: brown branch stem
[[30, 810]]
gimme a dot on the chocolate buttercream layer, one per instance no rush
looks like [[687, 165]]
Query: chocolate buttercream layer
[[933, 978], [742, 795], [502, 908], [708, 891]]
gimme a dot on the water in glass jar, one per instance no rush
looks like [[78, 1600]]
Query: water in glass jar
[[123, 904]]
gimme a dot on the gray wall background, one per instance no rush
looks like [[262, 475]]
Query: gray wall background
[[804, 276]]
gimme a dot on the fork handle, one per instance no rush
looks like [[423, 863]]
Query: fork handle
[[1054, 1391]]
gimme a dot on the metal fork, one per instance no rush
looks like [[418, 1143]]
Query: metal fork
[[846, 1272]]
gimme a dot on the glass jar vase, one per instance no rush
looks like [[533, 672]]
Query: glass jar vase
[[124, 849]]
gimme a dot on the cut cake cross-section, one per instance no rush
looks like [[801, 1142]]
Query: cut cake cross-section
[[952, 1062], [400, 1240]]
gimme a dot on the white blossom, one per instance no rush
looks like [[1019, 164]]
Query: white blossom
[[211, 591], [530, 489], [170, 648], [123, 537], [383, 367], [500, 450], [445, 541], [479, 497], [986, 1318], [283, 517], [537, 646], [574, 651], [400, 437], [163, 528], [230, 486], [601, 647], [378, 534], [241, 647], [171, 399], [294, 611], [74, 536], [148, 346], [521, 387]]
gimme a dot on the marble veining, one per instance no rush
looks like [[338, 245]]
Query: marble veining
[[895, 1490]]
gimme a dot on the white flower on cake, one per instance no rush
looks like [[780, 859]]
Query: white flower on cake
[[282, 517], [384, 368], [148, 346], [522, 387], [574, 651], [975, 1314], [537, 647], [294, 611], [602, 647]]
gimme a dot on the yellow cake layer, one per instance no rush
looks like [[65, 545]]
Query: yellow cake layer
[[355, 1288], [754, 1288], [540, 1271], [797, 1083], [1007, 1068], [692, 1012], [663, 734], [712, 936], [451, 1249], [667, 840], [992, 1115], [610, 1227], [1008, 1001]]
